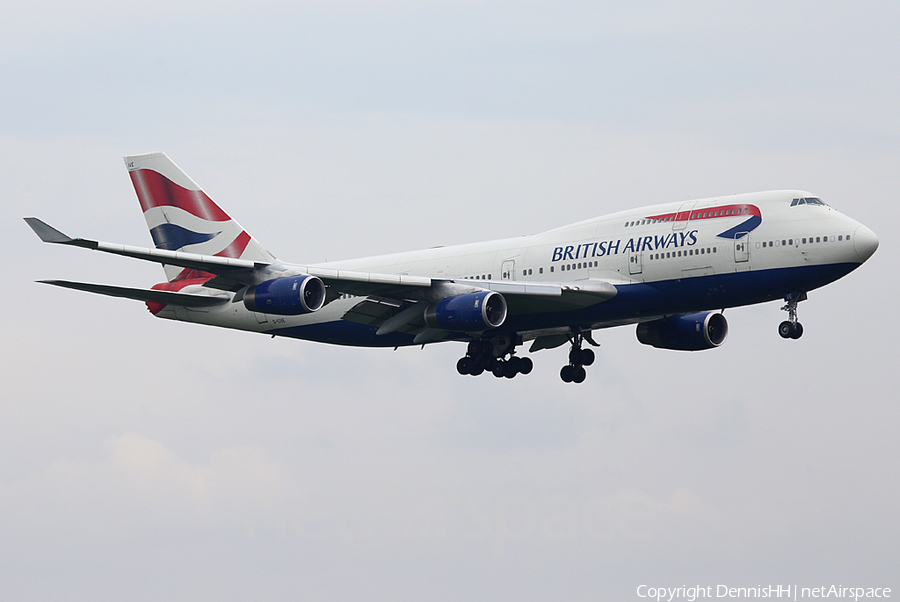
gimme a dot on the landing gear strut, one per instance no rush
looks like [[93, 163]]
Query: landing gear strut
[[482, 355], [574, 371], [791, 328]]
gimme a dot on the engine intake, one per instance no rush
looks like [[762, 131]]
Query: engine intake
[[470, 312], [690, 332], [289, 296]]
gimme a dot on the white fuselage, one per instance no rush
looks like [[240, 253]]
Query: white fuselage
[[750, 248]]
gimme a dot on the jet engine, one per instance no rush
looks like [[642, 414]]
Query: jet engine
[[290, 296], [690, 332], [470, 312]]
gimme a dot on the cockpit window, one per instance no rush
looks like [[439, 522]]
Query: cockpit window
[[810, 200]]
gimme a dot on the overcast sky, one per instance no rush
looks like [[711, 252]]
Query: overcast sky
[[142, 459]]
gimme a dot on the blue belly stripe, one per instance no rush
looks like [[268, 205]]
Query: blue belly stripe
[[633, 302]]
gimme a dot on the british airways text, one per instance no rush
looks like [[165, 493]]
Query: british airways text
[[634, 245]]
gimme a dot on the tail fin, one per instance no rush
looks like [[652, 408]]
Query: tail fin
[[181, 217]]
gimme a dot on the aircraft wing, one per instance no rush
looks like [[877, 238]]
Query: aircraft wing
[[401, 290], [393, 315], [140, 294], [230, 271]]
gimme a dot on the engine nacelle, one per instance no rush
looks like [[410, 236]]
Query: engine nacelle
[[290, 296], [470, 312], [690, 332]]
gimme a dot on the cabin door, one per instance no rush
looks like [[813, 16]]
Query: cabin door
[[742, 247], [508, 270], [635, 263]]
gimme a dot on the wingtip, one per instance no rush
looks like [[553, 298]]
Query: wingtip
[[46, 232]]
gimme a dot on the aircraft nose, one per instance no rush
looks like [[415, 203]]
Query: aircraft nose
[[864, 242]]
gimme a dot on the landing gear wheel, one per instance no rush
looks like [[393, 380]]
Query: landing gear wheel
[[509, 370], [587, 357], [526, 365], [786, 329], [791, 328], [578, 374], [578, 359], [496, 356], [575, 356]]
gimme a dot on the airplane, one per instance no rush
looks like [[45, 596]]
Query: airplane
[[671, 269]]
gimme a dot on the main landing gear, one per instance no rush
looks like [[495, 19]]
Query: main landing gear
[[481, 356], [791, 328], [574, 371]]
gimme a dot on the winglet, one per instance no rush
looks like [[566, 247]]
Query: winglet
[[46, 232]]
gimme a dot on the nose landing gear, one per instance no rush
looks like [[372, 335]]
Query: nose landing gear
[[792, 328]]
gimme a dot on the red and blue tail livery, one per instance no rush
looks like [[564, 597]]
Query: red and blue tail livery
[[181, 217], [670, 269]]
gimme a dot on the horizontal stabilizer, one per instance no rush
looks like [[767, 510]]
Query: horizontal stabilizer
[[235, 269], [46, 232], [140, 294]]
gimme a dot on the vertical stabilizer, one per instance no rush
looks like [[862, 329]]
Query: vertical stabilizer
[[181, 217]]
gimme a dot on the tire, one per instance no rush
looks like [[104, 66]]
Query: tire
[[579, 374], [797, 330], [785, 329], [463, 366], [526, 365], [509, 370], [587, 357], [567, 373], [575, 356]]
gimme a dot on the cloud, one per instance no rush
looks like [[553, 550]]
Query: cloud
[[140, 486]]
